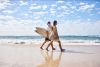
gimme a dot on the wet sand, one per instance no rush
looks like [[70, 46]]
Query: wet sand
[[20, 55]]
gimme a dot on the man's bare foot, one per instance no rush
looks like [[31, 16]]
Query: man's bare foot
[[62, 50], [41, 48], [53, 49], [47, 49]]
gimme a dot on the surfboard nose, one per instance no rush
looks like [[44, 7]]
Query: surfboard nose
[[35, 30]]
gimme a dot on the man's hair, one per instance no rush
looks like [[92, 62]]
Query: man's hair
[[48, 22], [55, 22]]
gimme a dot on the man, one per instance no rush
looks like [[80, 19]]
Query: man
[[49, 29], [55, 37]]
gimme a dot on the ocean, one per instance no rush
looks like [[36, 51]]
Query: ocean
[[76, 39]]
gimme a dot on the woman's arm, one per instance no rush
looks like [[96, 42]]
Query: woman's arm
[[47, 33]]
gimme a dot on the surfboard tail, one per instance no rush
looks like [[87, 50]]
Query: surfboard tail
[[41, 31]]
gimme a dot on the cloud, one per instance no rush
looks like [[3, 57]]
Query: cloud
[[10, 25], [26, 14], [44, 7], [52, 11], [98, 13], [35, 6], [40, 13], [4, 4], [8, 11], [60, 15], [6, 18], [37, 17], [53, 5], [23, 3], [65, 10], [60, 1], [73, 7], [64, 7], [79, 28], [11, 20], [86, 7], [97, 8], [82, 3]]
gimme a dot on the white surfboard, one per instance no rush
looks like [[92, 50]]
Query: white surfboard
[[41, 31]]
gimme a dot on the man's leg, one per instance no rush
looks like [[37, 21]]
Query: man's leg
[[49, 45], [61, 47]]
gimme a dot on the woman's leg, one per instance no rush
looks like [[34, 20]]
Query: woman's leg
[[52, 46], [43, 44]]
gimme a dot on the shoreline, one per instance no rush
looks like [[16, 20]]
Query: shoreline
[[37, 42]]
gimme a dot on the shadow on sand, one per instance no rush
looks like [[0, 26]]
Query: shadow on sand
[[74, 51]]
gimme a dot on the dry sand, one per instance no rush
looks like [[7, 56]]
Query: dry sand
[[30, 55]]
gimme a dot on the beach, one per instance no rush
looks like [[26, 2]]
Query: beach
[[28, 54], [25, 25]]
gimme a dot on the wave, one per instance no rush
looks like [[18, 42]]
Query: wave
[[69, 39]]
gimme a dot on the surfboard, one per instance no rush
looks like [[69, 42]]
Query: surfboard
[[41, 31]]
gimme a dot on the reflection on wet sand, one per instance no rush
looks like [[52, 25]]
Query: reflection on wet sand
[[31, 56], [50, 60]]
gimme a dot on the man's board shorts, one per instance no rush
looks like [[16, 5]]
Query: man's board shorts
[[47, 39]]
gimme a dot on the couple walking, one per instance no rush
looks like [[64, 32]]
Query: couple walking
[[52, 35]]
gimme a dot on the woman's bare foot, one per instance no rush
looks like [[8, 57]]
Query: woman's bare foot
[[41, 48]]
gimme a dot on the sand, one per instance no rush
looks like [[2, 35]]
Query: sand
[[22, 54]]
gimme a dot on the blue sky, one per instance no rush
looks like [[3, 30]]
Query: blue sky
[[75, 17]]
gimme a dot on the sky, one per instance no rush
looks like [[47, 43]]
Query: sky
[[75, 17]]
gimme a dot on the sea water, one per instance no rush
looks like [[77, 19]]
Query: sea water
[[75, 39]]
